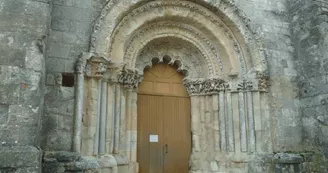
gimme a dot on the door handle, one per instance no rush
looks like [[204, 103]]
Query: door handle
[[166, 149]]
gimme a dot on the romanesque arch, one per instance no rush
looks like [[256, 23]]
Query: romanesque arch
[[225, 76]]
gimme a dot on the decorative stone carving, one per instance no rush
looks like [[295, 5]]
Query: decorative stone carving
[[129, 78], [181, 54], [96, 67], [205, 86], [262, 82], [245, 85], [186, 33], [80, 65]]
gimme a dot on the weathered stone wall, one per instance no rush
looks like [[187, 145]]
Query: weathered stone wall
[[23, 27], [309, 25], [269, 19], [69, 35], [40, 41]]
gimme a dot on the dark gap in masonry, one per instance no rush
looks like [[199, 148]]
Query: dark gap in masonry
[[68, 79]]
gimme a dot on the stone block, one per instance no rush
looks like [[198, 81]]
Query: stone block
[[59, 24], [80, 27], [123, 169], [20, 157], [84, 164], [52, 168], [10, 93], [58, 140], [68, 12], [81, 4], [55, 64], [4, 113], [25, 115], [63, 156], [70, 38], [34, 60], [12, 57], [107, 161], [58, 50], [65, 123], [287, 158], [50, 79]]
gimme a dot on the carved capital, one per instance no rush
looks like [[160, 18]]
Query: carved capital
[[129, 78], [82, 61], [91, 65], [250, 85], [263, 82], [245, 85], [205, 86], [96, 66]]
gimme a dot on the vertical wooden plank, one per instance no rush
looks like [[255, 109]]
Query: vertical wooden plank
[[169, 144], [177, 134], [143, 134]]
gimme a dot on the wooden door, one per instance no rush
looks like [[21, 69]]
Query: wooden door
[[163, 112]]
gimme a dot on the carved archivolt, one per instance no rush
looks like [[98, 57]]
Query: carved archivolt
[[204, 30], [117, 15], [174, 30], [181, 54]]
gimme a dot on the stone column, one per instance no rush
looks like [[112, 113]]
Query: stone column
[[208, 115], [96, 138], [110, 118], [79, 89], [90, 71], [195, 123], [134, 123], [128, 122], [103, 118], [117, 119]]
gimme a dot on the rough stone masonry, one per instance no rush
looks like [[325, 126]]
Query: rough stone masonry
[[255, 70]]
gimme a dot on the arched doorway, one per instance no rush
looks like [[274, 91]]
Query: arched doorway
[[164, 135]]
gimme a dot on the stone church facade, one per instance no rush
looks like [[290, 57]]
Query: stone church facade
[[254, 72]]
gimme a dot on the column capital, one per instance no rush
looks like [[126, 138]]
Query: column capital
[[129, 78], [92, 65], [205, 86]]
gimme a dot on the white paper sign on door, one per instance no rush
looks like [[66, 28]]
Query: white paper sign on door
[[153, 138]]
